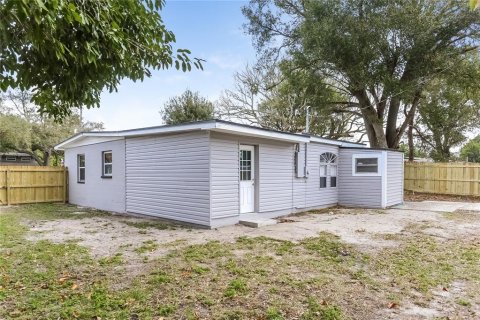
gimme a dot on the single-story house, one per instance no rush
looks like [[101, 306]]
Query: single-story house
[[16, 159], [210, 173]]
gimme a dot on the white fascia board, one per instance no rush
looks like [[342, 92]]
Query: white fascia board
[[353, 145], [259, 133], [337, 142], [168, 129], [75, 140], [326, 141], [84, 141]]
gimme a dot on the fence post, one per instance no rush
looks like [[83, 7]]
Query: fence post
[[65, 177], [7, 182]]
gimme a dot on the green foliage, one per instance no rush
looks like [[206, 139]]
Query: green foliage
[[23, 129], [449, 110], [471, 150], [68, 51], [236, 287], [187, 107], [380, 54]]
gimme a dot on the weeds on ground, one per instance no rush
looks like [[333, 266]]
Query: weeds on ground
[[150, 225], [252, 278]]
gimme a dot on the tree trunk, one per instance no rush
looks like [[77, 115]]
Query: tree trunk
[[391, 129], [373, 125], [46, 158], [411, 146]]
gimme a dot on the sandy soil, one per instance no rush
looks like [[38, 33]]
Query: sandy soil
[[366, 229]]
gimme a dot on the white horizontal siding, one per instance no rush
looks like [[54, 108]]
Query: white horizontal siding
[[316, 196], [224, 176], [276, 176], [97, 192], [394, 178], [362, 191], [168, 176]]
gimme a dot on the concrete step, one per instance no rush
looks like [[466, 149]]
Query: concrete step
[[256, 221]]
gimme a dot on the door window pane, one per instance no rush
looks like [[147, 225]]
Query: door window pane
[[245, 165]]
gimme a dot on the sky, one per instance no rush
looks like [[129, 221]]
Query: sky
[[213, 31]]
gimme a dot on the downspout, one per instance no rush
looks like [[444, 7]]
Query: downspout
[[307, 131], [305, 172]]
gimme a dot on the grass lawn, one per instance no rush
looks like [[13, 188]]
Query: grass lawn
[[251, 278]]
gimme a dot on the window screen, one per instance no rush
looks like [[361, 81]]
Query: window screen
[[366, 165]]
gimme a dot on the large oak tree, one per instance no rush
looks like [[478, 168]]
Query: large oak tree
[[379, 53]]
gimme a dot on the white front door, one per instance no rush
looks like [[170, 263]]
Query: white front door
[[247, 179]]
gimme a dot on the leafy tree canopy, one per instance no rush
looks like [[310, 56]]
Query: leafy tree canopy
[[449, 110], [471, 150], [187, 107], [379, 54], [66, 52], [23, 129]]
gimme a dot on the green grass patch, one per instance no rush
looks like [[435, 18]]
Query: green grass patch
[[150, 225], [236, 287], [252, 278], [147, 246]]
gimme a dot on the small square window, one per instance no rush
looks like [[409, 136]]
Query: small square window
[[366, 165]]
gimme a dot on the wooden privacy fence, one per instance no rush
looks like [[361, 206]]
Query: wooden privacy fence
[[443, 178], [30, 184]]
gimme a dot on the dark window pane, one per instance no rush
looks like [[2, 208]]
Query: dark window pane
[[108, 169], [107, 157], [82, 174], [81, 160], [323, 182], [333, 182]]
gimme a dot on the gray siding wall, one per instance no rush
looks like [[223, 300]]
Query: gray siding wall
[[168, 176], [224, 184], [316, 196], [394, 178], [307, 191], [279, 190], [274, 175], [359, 191], [97, 192]]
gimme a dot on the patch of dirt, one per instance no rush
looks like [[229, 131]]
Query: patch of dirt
[[419, 196], [367, 230]]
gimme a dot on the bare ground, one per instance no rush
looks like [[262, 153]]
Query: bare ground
[[367, 230], [380, 234]]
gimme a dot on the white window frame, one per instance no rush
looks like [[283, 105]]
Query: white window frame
[[104, 164], [11, 158], [79, 167], [377, 156], [328, 171], [25, 159]]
